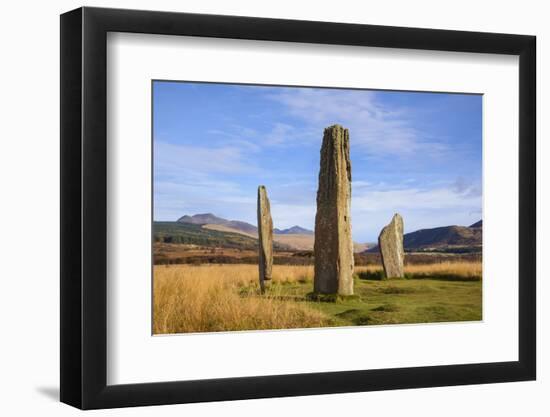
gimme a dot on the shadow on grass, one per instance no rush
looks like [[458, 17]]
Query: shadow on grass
[[371, 275], [271, 293], [379, 276], [295, 298], [387, 308], [445, 277], [331, 298], [391, 290], [355, 316]]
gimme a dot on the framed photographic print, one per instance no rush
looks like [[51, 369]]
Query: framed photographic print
[[257, 208]]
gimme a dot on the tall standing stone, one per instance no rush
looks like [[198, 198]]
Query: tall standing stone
[[333, 246], [390, 244], [265, 238]]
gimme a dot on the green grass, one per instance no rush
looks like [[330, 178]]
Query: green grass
[[394, 301]]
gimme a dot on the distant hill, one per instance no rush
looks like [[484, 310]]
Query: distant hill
[[196, 234], [296, 242], [292, 241], [294, 230], [443, 237], [217, 229], [205, 218], [457, 239], [362, 247], [209, 219], [207, 229], [477, 224]]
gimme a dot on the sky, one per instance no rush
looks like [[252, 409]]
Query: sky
[[414, 153]]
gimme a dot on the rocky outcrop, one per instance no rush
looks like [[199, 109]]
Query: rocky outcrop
[[265, 238], [333, 248], [390, 244]]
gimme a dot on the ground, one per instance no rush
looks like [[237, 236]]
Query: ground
[[203, 298], [402, 301]]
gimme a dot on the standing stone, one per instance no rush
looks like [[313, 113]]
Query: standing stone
[[390, 244], [265, 238], [333, 248]]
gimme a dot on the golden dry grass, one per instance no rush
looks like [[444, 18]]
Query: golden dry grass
[[462, 269], [211, 298], [206, 298]]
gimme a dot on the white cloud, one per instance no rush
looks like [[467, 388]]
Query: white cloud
[[420, 208], [372, 209], [360, 184], [288, 215], [466, 188], [198, 195], [375, 130], [194, 160], [191, 179], [238, 136], [276, 135], [412, 198]]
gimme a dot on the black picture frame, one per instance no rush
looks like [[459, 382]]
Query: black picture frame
[[84, 207]]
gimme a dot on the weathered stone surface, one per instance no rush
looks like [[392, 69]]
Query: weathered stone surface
[[333, 246], [265, 238], [390, 244]]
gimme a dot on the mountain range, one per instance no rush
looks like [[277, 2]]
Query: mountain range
[[454, 239], [294, 230], [209, 219], [444, 239]]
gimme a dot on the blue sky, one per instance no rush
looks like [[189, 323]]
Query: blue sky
[[418, 154]]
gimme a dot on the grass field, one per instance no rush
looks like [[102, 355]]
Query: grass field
[[208, 298]]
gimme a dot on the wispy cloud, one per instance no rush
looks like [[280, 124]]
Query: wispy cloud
[[224, 198], [376, 129], [420, 207], [466, 187], [413, 198], [276, 134], [190, 178], [288, 215], [195, 160]]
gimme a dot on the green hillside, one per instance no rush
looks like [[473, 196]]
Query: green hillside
[[194, 234], [446, 239]]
